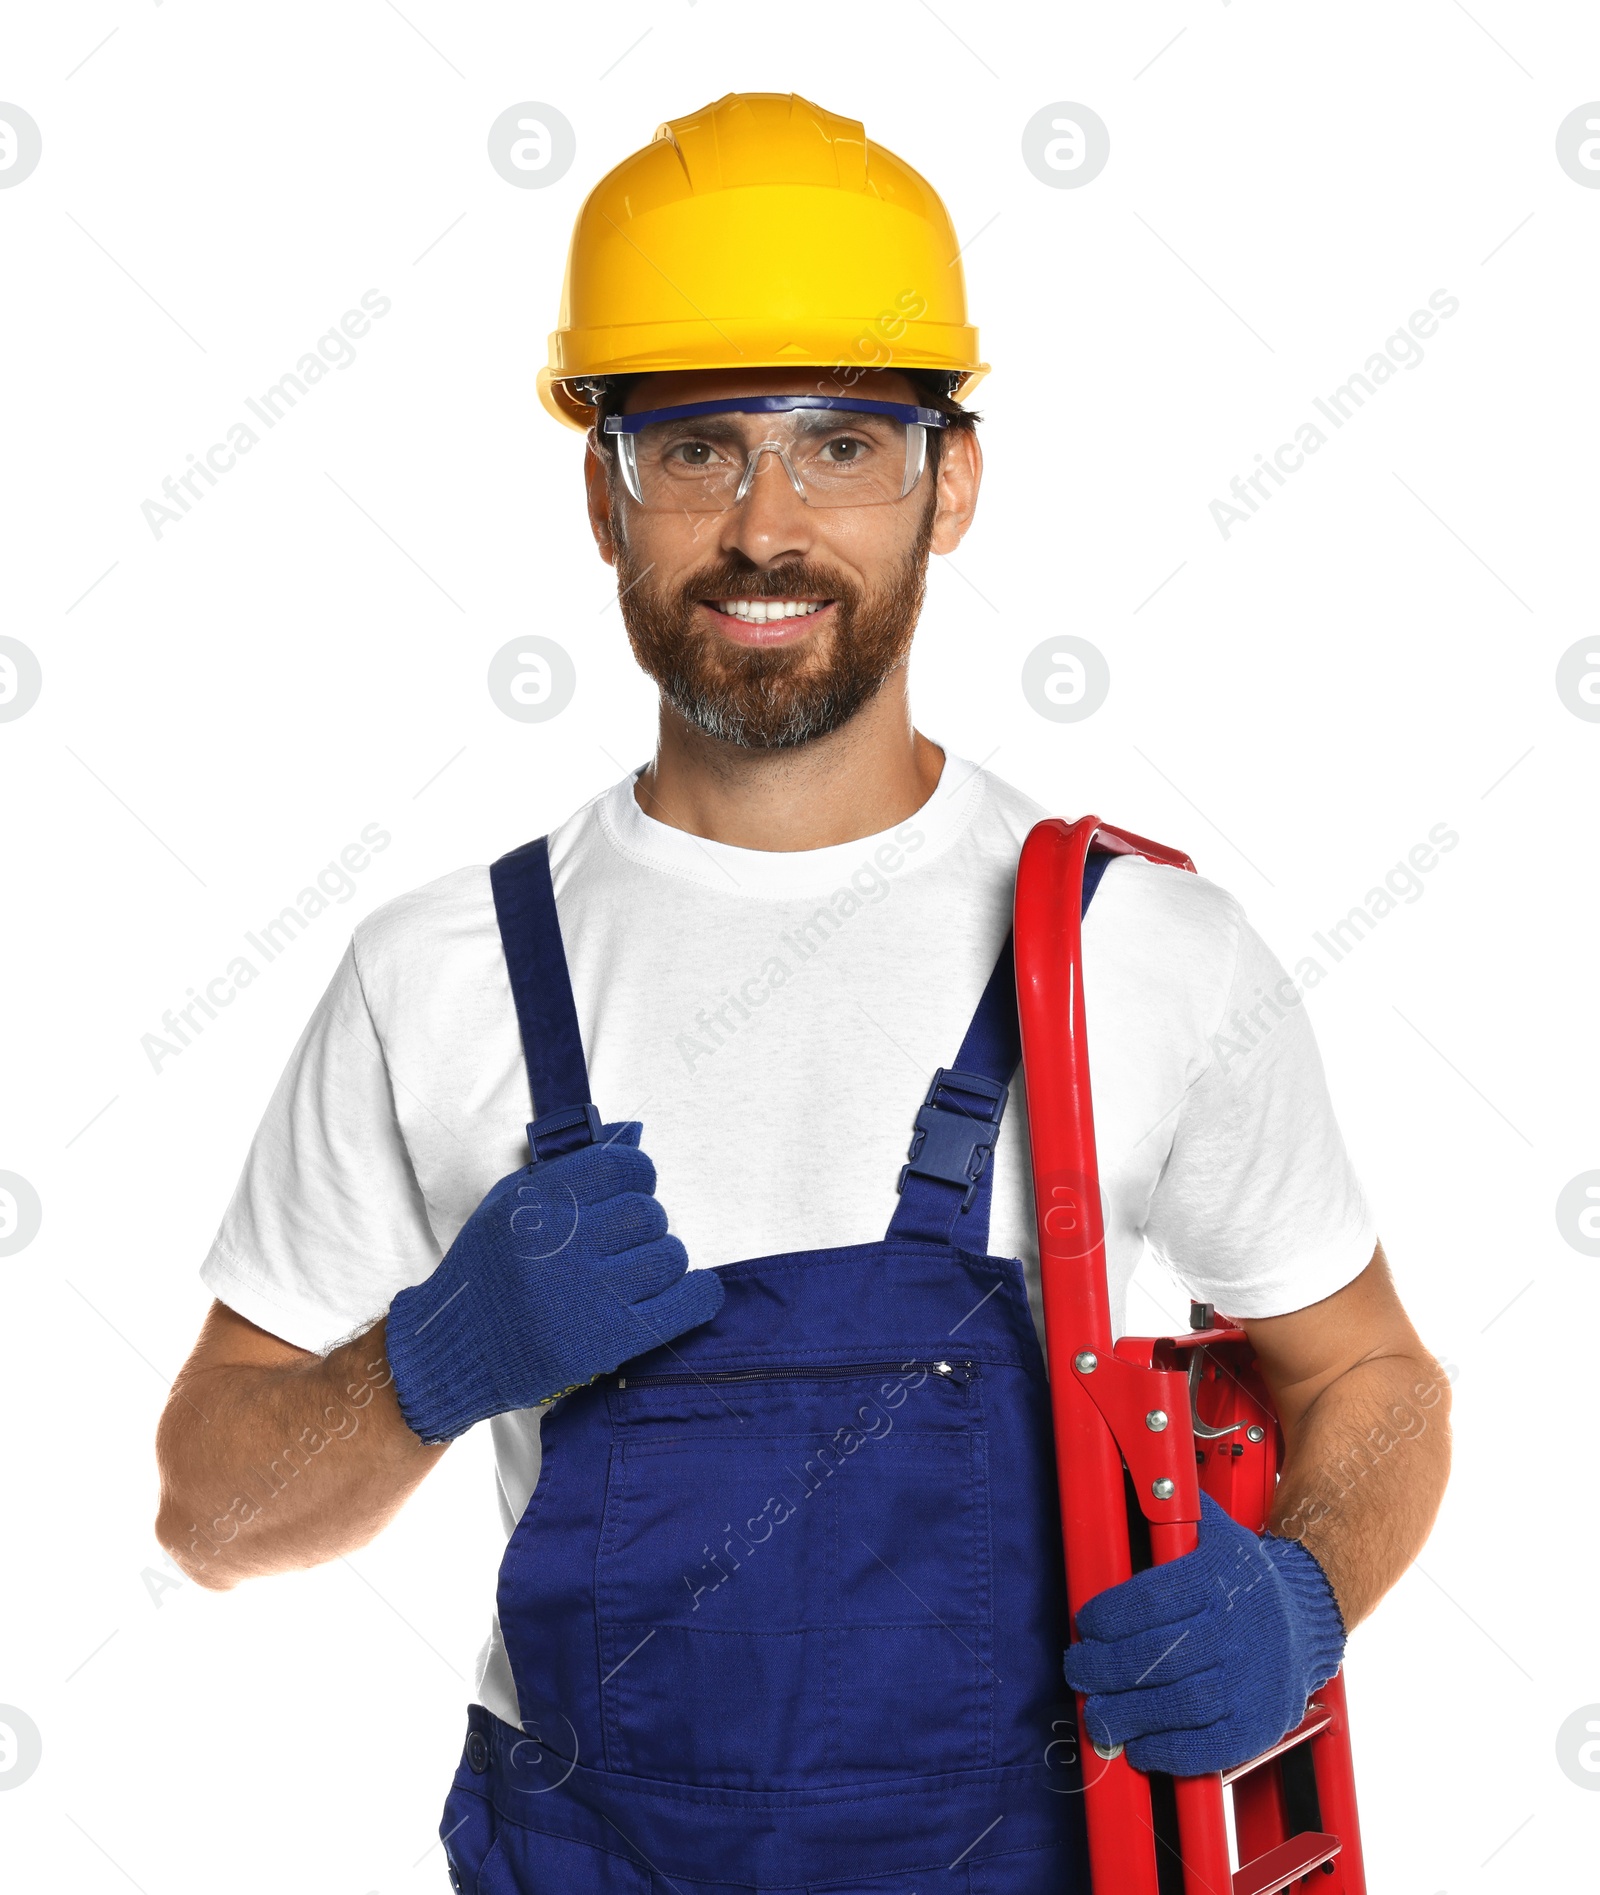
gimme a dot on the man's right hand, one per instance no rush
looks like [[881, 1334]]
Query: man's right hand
[[562, 1273]]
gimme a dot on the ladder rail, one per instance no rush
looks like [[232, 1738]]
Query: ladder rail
[[1100, 1391]]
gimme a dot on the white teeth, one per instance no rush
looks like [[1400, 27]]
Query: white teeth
[[758, 611]]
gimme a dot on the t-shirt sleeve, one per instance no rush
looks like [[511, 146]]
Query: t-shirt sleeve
[[327, 1221], [1258, 1209]]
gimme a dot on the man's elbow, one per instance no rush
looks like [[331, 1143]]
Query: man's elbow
[[1424, 1416], [179, 1531], [181, 1539], [1431, 1396], [193, 1564]]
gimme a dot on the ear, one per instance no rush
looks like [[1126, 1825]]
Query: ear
[[597, 484], [960, 476]]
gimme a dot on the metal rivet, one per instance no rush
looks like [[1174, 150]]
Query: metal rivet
[[1156, 1420], [1163, 1489], [1108, 1752], [1255, 1434], [1086, 1361]]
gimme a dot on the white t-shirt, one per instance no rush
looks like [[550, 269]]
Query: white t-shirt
[[774, 1019]]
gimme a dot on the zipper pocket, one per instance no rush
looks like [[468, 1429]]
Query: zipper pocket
[[944, 1368]]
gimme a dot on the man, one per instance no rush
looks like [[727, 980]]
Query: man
[[781, 1604]]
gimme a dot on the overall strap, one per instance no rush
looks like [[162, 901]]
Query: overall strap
[[530, 937], [948, 1183]]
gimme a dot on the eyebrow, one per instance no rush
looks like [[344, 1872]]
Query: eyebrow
[[700, 427], [809, 421], [830, 420]]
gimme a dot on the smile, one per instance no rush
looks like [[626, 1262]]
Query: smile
[[759, 611], [766, 623]]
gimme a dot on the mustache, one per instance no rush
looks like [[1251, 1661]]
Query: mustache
[[797, 581]]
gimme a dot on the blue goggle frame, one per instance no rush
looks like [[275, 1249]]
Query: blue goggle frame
[[905, 411]]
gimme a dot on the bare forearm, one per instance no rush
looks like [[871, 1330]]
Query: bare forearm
[[269, 1468], [1365, 1474]]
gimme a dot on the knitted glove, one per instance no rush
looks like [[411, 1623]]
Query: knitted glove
[[564, 1271], [1206, 1661]]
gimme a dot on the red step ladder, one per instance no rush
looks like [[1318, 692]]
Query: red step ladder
[[1151, 1420]]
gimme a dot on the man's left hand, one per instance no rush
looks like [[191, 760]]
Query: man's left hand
[[1206, 1661]]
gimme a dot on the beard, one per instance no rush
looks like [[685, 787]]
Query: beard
[[779, 699]]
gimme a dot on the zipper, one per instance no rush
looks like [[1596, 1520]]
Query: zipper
[[944, 1368]]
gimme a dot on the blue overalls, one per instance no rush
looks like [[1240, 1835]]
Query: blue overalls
[[786, 1608]]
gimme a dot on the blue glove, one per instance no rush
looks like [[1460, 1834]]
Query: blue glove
[[1206, 1661], [564, 1271]]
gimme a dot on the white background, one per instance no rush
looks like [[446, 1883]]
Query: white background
[[225, 707]]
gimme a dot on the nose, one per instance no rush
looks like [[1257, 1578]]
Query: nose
[[772, 523]]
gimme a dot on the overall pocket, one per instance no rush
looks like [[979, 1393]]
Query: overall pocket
[[793, 1583]]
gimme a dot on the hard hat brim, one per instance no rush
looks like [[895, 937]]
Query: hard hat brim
[[755, 346]]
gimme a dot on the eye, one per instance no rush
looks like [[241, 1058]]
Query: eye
[[845, 450], [691, 453]]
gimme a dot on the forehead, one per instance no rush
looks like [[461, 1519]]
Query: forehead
[[670, 390]]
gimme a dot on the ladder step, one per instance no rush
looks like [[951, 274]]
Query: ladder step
[[1317, 1718], [1274, 1871]]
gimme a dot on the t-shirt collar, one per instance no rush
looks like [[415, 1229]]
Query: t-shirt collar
[[777, 873]]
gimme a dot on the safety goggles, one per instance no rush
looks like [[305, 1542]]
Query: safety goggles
[[837, 452]]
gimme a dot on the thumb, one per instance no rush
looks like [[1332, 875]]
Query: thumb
[[694, 1299]]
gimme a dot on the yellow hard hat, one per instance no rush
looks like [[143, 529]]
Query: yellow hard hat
[[760, 231]]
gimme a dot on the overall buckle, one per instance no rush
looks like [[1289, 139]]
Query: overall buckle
[[956, 1130], [565, 1128]]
